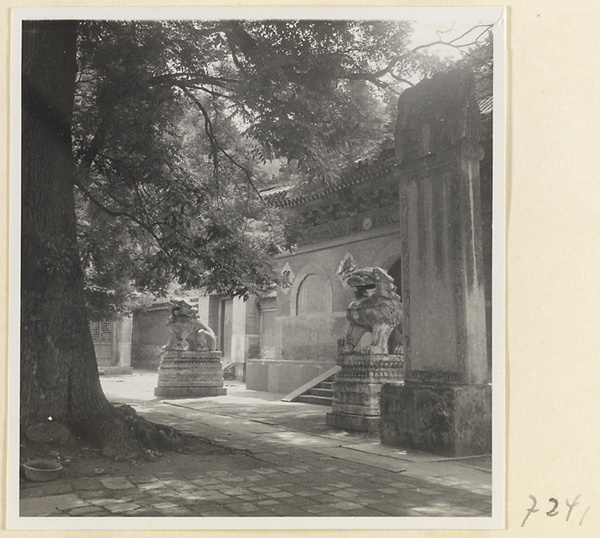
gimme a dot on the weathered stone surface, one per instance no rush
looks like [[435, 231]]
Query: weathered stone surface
[[356, 389], [188, 331], [353, 421], [443, 299], [49, 506], [189, 392], [445, 403], [437, 114], [376, 308], [89, 511], [190, 374], [445, 419]]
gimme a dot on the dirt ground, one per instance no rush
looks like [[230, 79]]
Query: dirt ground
[[82, 460]]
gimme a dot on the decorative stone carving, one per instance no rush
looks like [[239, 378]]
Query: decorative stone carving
[[357, 388], [287, 278], [188, 331], [346, 265], [385, 216], [377, 308], [190, 374], [267, 300], [190, 366]]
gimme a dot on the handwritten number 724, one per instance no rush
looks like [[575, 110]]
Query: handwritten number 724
[[554, 509]]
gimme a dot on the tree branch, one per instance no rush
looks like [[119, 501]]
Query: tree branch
[[187, 79], [129, 216], [452, 42], [395, 60], [215, 142]]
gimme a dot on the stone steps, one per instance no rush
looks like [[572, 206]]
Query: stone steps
[[321, 394], [318, 391]]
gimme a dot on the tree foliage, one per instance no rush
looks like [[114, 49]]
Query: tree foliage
[[178, 123]]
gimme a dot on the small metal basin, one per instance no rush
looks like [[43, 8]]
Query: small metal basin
[[42, 470]]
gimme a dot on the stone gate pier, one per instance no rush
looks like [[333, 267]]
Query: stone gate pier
[[444, 405]]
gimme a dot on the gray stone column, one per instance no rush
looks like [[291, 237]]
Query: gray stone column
[[445, 403], [124, 342]]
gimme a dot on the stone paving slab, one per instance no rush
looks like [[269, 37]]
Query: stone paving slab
[[441, 469], [481, 463], [50, 505], [277, 493], [292, 466], [374, 460]]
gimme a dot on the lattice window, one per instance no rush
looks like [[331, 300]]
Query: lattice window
[[101, 331]]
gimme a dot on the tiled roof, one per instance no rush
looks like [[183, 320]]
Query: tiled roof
[[276, 195], [284, 196]]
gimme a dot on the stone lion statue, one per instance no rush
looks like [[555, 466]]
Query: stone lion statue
[[377, 308], [188, 331]]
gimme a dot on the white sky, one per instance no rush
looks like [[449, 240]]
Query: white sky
[[427, 19], [455, 21]]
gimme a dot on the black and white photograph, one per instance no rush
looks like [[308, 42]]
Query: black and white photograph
[[257, 268]]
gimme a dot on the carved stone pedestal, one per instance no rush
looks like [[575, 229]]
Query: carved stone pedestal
[[357, 387], [190, 374]]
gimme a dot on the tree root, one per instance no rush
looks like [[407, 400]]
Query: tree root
[[123, 435]]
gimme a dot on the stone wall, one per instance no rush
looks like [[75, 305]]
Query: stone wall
[[150, 334], [300, 328], [283, 376]]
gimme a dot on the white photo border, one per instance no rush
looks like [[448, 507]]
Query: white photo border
[[497, 15]]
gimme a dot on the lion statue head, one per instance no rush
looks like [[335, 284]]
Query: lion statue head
[[376, 308]]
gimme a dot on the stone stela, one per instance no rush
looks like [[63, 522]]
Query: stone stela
[[190, 366], [376, 309], [444, 406]]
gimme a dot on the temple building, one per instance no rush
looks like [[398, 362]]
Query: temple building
[[282, 339], [359, 216]]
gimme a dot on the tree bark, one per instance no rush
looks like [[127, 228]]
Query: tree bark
[[59, 373]]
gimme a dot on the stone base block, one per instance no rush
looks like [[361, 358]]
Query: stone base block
[[453, 420], [358, 397], [115, 370], [189, 392], [357, 423], [190, 374], [356, 389]]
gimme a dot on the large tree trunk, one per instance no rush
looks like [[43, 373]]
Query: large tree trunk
[[59, 374]]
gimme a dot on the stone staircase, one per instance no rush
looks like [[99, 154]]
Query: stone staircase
[[321, 394], [318, 391]]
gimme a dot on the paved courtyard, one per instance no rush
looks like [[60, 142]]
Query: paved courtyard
[[282, 460]]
